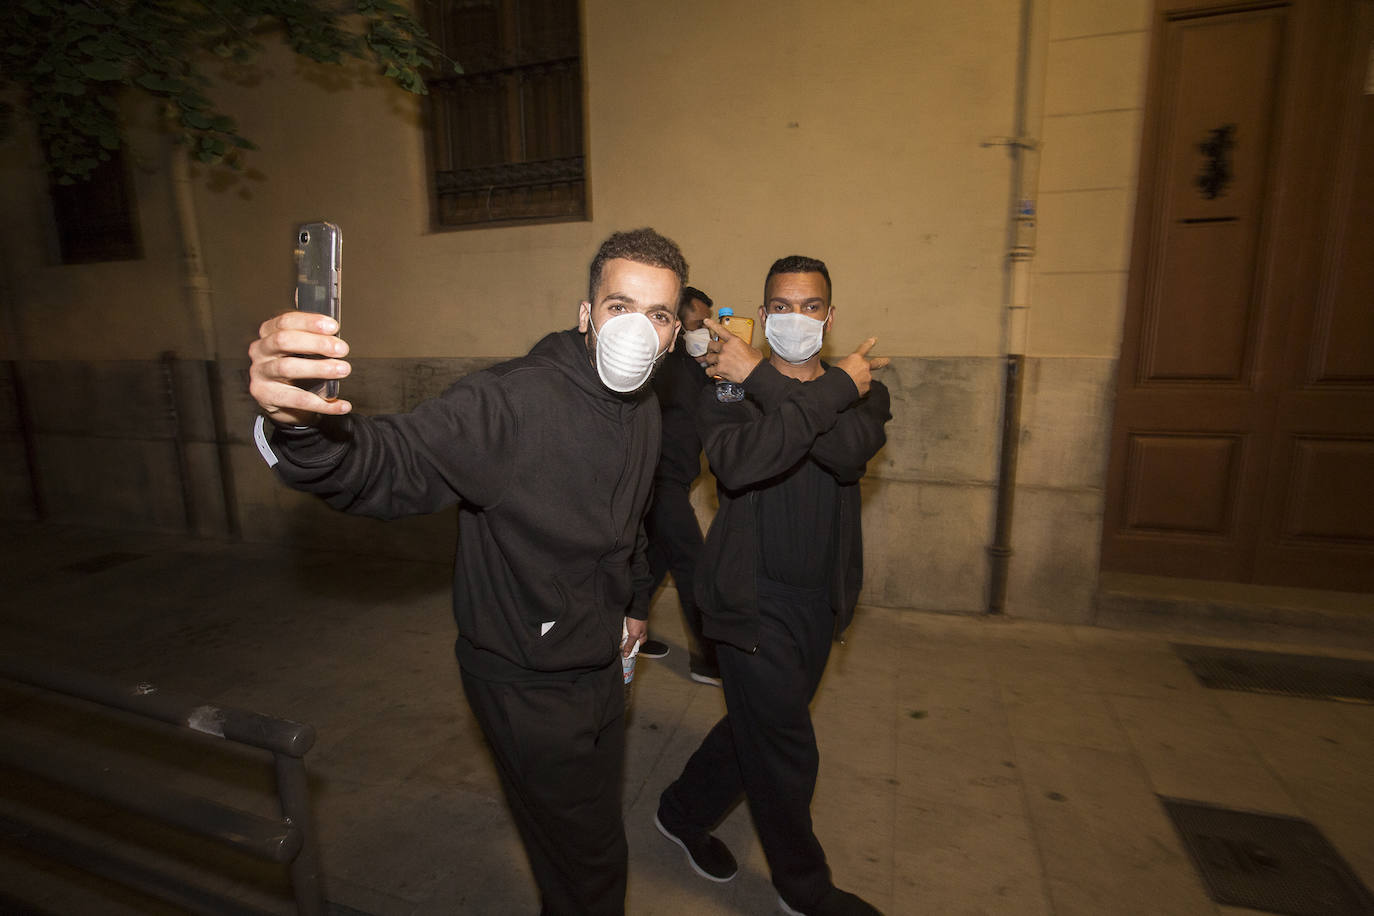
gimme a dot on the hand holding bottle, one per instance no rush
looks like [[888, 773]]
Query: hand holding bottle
[[727, 356]]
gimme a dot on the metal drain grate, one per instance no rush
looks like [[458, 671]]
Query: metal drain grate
[[1267, 862], [102, 562], [1314, 676]]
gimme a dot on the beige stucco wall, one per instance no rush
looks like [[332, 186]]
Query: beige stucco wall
[[849, 132], [862, 133], [1093, 110], [1095, 57]]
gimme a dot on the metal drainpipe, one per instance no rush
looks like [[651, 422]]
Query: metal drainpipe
[[1021, 251], [198, 297], [170, 392]]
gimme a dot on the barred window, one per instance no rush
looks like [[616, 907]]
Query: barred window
[[506, 135]]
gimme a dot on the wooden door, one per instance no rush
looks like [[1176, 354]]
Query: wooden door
[[1243, 440]]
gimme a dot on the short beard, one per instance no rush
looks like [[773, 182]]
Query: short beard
[[589, 341]]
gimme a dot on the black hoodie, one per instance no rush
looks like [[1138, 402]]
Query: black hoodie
[[552, 472], [753, 445]]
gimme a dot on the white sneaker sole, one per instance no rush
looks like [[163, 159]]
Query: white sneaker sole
[[705, 679], [690, 861]]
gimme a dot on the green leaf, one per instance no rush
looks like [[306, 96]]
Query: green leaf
[[66, 54], [104, 70], [156, 82], [86, 14], [119, 50]]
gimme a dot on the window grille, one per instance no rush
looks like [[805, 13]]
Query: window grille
[[506, 135]]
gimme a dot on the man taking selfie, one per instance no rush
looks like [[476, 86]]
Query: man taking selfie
[[549, 458]]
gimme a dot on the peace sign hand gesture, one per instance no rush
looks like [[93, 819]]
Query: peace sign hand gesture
[[859, 366]]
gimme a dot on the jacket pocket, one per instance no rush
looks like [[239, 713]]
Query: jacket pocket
[[586, 631]]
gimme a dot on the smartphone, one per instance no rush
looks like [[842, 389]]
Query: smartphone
[[319, 261]]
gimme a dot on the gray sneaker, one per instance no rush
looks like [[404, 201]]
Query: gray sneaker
[[704, 676]]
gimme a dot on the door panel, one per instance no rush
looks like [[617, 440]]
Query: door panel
[[1330, 497], [1189, 482], [1319, 517], [1192, 427], [1343, 343], [1201, 320], [1221, 72], [1243, 441]]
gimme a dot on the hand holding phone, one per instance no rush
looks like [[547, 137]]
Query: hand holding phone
[[276, 381], [284, 354], [319, 268]]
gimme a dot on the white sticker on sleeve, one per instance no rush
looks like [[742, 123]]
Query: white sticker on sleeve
[[260, 438], [546, 626]]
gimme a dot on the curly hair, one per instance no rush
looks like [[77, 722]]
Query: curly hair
[[798, 264], [643, 246]]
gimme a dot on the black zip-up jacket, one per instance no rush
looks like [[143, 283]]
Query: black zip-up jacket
[[552, 473], [678, 383], [749, 444]]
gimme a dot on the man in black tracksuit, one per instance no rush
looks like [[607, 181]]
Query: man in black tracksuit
[[780, 576], [671, 525], [550, 459]]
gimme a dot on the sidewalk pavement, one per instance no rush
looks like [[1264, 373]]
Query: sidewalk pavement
[[969, 765]]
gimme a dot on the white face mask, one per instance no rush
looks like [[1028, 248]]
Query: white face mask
[[696, 341], [793, 336], [626, 350]]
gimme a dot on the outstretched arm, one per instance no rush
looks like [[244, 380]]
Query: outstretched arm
[[447, 448]]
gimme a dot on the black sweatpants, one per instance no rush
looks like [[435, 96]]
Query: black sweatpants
[[560, 749], [765, 748], [674, 545]]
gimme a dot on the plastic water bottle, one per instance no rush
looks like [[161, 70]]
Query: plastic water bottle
[[743, 328], [627, 664]]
